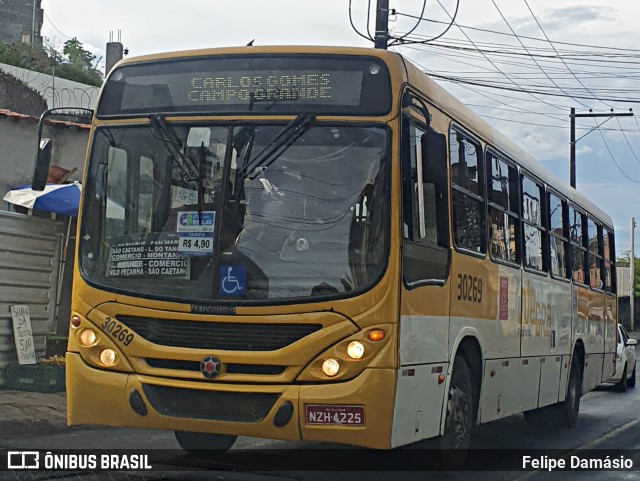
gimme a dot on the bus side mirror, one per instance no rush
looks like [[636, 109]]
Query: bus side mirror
[[434, 157], [41, 168]]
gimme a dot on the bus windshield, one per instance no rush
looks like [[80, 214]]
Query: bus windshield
[[242, 212]]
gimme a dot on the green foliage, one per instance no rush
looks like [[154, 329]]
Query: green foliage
[[74, 63], [77, 55]]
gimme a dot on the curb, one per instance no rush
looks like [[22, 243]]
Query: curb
[[35, 427]]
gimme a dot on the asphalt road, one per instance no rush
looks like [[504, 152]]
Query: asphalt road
[[607, 420]]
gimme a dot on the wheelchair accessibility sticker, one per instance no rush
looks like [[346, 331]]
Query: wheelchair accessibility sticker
[[233, 280]]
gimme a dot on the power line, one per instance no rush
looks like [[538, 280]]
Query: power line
[[424, 5], [551, 43], [54, 26], [490, 61], [402, 41], [532, 58], [525, 36], [528, 90], [627, 140], [613, 158]]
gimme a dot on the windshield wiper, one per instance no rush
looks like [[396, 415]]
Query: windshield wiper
[[175, 147], [277, 145]]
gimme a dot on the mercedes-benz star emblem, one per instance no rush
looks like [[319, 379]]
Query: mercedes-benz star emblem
[[210, 367]]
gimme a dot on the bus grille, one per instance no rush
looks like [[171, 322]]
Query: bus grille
[[226, 336], [229, 368], [210, 405]]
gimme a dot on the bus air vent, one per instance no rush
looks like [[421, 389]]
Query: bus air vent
[[224, 336], [212, 405]]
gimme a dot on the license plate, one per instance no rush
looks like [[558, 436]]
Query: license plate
[[332, 414]]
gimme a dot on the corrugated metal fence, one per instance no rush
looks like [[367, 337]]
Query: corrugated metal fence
[[29, 265]]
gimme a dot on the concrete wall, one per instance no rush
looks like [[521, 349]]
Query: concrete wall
[[18, 145], [58, 92], [18, 19]]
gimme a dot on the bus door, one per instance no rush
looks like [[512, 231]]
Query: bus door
[[424, 311]]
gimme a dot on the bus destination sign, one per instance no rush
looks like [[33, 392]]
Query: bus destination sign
[[290, 84], [235, 87]]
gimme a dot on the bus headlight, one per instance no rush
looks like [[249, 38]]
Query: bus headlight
[[87, 338], [355, 350], [330, 367], [108, 357]]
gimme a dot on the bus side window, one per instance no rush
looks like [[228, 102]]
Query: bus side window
[[426, 254], [578, 250], [467, 192], [609, 262], [532, 225], [503, 209], [595, 254], [558, 240]]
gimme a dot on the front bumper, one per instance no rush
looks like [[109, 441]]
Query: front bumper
[[103, 397]]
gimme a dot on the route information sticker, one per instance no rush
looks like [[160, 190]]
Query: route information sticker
[[148, 258]]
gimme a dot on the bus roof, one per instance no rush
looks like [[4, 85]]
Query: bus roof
[[438, 95]]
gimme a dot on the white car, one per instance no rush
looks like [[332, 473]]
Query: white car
[[625, 375]]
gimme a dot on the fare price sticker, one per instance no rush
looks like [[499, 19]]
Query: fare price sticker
[[195, 243]]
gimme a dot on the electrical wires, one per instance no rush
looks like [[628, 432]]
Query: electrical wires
[[502, 73], [402, 40]]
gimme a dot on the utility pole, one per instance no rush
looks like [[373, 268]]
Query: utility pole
[[572, 141], [33, 24], [382, 24], [632, 262]]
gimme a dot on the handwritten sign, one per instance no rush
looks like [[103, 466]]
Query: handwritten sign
[[22, 334]]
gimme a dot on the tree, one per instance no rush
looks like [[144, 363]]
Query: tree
[[78, 56]]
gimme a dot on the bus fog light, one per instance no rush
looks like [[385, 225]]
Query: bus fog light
[[355, 350], [330, 367], [87, 338], [108, 357]]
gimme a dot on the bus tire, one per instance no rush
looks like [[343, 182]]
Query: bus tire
[[460, 416], [570, 407], [631, 382], [201, 443], [564, 413], [621, 385]]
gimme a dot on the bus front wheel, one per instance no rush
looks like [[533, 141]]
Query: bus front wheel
[[200, 443], [460, 418]]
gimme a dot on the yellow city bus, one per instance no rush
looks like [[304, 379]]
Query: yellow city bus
[[320, 243]]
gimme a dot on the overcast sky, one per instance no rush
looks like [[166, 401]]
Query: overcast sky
[[538, 123]]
